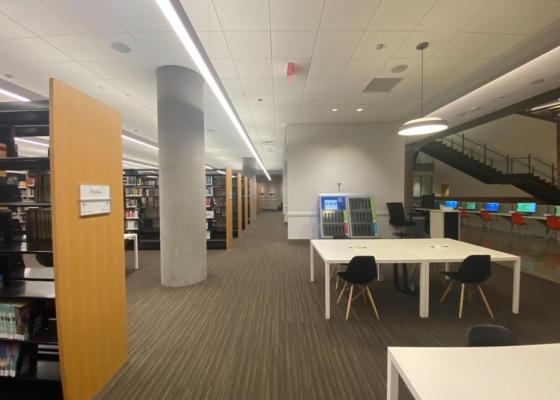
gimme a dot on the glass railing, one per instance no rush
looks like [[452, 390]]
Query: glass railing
[[504, 163]]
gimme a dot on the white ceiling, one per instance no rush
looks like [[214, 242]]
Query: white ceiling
[[250, 43]]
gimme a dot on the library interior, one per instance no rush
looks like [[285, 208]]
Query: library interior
[[279, 199]]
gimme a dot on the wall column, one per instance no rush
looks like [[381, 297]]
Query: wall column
[[408, 178], [250, 171], [181, 176]]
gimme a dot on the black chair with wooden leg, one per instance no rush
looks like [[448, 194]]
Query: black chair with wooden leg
[[483, 335], [337, 267], [361, 271], [474, 270]]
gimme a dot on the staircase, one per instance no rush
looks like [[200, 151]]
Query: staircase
[[529, 173]]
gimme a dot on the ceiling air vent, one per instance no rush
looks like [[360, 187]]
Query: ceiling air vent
[[382, 85], [268, 142]]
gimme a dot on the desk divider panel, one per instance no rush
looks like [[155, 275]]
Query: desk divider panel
[[90, 295]]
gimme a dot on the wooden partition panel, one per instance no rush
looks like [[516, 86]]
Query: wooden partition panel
[[85, 138], [239, 206], [229, 209]]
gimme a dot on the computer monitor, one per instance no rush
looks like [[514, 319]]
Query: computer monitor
[[492, 207], [429, 201], [557, 210], [470, 205], [526, 207], [451, 203]]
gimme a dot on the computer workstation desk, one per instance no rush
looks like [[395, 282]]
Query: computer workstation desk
[[401, 251]]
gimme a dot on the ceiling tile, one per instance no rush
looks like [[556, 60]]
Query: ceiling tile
[[254, 69], [280, 68], [499, 45], [464, 45], [391, 41], [400, 15], [12, 30], [467, 67], [225, 69], [438, 67], [146, 15], [257, 85], [151, 84], [105, 40], [268, 109], [243, 15], [370, 98], [37, 17], [86, 15], [295, 15], [315, 100], [233, 86], [337, 44], [320, 85], [30, 50], [342, 98], [165, 48], [287, 99], [363, 68], [255, 44], [93, 88], [327, 69], [78, 47], [289, 86], [543, 16], [108, 69], [293, 44], [145, 69], [218, 48], [451, 15], [435, 41], [348, 15], [132, 87], [501, 15], [386, 71], [354, 86]]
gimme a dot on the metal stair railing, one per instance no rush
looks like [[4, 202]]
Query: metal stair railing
[[507, 164]]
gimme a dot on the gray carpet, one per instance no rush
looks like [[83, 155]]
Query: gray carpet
[[255, 328]]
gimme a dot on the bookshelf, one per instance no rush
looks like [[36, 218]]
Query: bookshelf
[[244, 204], [237, 205], [141, 206], [259, 198], [219, 214], [250, 204]]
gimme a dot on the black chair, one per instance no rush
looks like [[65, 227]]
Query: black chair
[[337, 267], [490, 335], [45, 259], [473, 271], [362, 270], [397, 218]]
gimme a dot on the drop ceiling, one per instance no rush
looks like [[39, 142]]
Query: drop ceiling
[[250, 42]]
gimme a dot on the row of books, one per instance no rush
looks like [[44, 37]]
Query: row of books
[[131, 225], [150, 201], [41, 192], [14, 319], [38, 223], [134, 191], [10, 354], [131, 202], [140, 181], [131, 214]]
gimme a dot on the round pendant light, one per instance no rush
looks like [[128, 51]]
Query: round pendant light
[[423, 126]]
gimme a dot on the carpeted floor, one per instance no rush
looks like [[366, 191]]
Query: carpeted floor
[[255, 329]]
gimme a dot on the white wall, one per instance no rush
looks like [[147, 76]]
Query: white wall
[[514, 134], [274, 186], [366, 158]]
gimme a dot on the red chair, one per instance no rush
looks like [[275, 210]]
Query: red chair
[[553, 224], [518, 221], [464, 216], [486, 219]]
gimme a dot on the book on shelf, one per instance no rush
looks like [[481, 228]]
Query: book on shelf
[[15, 317], [209, 214], [12, 356], [131, 225], [131, 214], [39, 187], [207, 235], [131, 202], [38, 223]]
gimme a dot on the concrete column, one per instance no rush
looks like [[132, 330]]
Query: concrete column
[[285, 191], [181, 176], [408, 178], [250, 171]]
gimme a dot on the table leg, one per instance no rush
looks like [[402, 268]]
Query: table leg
[[392, 379], [447, 270], [311, 260], [380, 273], [424, 289], [327, 292], [516, 285], [135, 251]]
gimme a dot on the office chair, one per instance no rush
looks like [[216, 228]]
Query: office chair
[[473, 271], [362, 270], [337, 267], [486, 219], [488, 335], [518, 221], [45, 259], [464, 216], [397, 218], [553, 224]]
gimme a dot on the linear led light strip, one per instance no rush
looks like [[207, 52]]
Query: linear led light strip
[[15, 96], [139, 142], [184, 29], [140, 165], [32, 142]]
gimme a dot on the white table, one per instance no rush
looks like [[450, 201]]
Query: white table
[[422, 251], [133, 236], [481, 373]]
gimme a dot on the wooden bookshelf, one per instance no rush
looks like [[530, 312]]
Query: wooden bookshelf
[[250, 204], [219, 231], [245, 204], [237, 205], [141, 206]]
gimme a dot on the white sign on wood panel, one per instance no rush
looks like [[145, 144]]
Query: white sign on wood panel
[[95, 199]]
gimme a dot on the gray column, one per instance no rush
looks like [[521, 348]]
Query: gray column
[[181, 176], [408, 178], [250, 171]]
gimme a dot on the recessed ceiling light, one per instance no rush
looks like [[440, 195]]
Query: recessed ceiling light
[[501, 97], [209, 130], [269, 142], [537, 81], [461, 114], [360, 109], [378, 46], [260, 99], [9, 76], [475, 108], [135, 130], [121, 47], [399, 68], [100, 87], [335, 109]]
